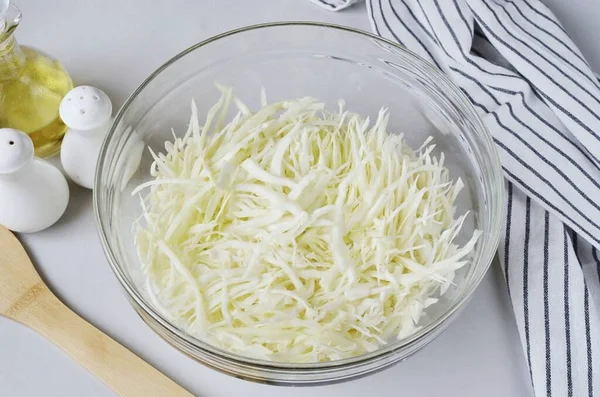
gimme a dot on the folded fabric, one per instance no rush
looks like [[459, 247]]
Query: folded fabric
[[541, 102]]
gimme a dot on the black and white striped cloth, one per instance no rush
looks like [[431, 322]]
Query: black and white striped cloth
[[541, 101]]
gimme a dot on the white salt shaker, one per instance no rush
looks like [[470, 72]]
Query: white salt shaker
[[33, 193], [87, 111]]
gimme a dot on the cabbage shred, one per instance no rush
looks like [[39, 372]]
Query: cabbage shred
[[296, 234]]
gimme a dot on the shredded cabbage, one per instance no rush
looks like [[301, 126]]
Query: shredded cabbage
[[296, 234]]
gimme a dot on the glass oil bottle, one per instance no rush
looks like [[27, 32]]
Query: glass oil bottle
[[31, 87]]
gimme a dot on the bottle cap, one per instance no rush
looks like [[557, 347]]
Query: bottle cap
[[16, 150], [85, 108]]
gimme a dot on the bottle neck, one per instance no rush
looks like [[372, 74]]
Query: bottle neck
[[12, 57]]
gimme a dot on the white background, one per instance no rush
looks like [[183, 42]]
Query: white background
[[114, 45]]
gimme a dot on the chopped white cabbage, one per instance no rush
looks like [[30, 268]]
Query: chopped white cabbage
[[295, 234]]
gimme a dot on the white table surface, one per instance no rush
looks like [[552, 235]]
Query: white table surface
[[114, 45]]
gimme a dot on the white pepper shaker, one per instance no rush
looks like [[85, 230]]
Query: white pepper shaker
[[87, 111]]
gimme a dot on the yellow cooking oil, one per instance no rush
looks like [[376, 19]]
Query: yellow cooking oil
[[32, 86]]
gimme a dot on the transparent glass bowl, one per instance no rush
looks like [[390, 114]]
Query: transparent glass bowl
[[290, 60]]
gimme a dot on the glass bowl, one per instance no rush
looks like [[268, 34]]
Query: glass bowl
[[289, 60]]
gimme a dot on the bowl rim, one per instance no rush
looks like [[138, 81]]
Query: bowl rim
[[488, 252]]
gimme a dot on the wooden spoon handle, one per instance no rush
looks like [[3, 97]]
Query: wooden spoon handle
[[120, 369]]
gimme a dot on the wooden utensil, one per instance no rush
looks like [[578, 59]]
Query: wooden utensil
[[25, 298]]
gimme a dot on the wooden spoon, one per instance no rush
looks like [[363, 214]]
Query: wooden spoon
[[25, 298]]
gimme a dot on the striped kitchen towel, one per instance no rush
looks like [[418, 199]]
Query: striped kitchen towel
[[541, 101]]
